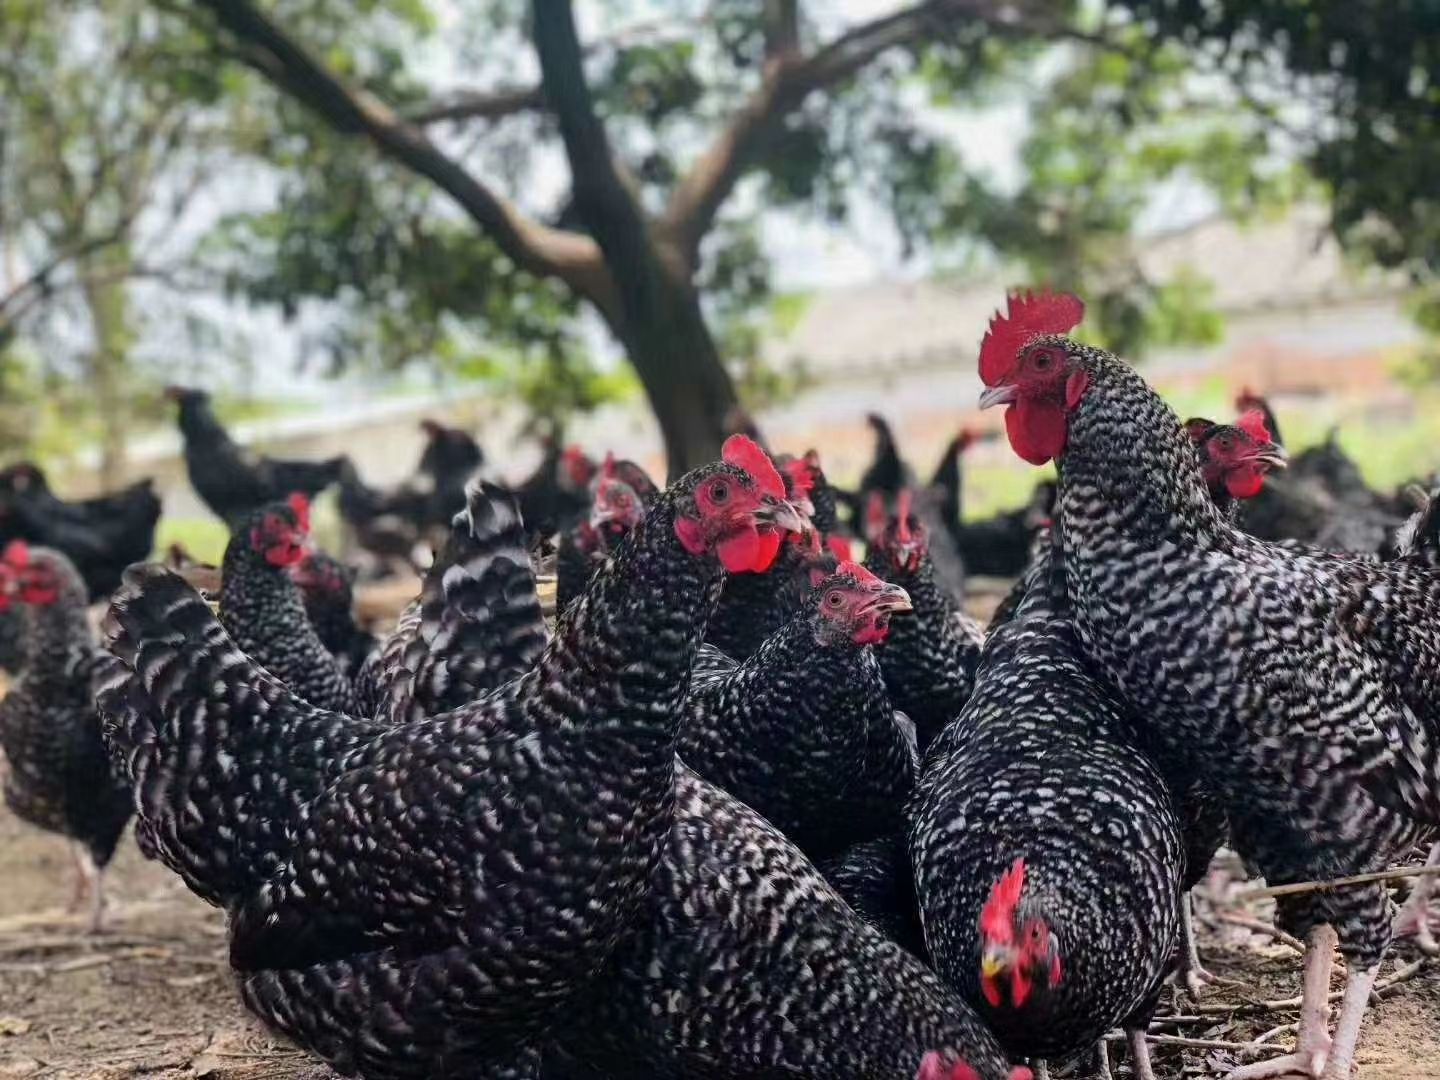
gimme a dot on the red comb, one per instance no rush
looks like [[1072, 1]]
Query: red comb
[[800, 473], [745, 454], [17, 554], [902, 516], [933, 1067], [608, 469], [1027, 316], [997, 916], [1253, 424], [300, 503], [840, 547], [1197, 427], [859, 573]]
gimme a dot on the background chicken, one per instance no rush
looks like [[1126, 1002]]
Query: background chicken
[[234, 480], [100, 536], [327, 589], [430, 896], [59, 775]]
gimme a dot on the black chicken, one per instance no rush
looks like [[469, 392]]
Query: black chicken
[[60, 776], [425, 899], [100, 536], [262, 609], [930, 656], [1047, 851], [233, 480], [327, 589], [803, 731]]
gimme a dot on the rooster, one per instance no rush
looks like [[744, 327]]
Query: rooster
[[262, 609], [1300, 686], [235, 481], [930, 656], [803, 731], [60, 777], [426, 898], [1047, 850]]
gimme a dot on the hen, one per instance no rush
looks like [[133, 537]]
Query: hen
[[1299, 686], [803, 731], [100, 536], [620, 496], [327, 589], [235, 481], [1047, 850], [930, 656], [60, 777], [425, 899], [262, 610]]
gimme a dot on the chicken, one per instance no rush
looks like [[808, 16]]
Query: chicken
[[803, 731], [476, 625], [754, 606], [1047, 849], [886, 474], [930, 656], [262, 610], [805, 474], [947, 483], [556, 495], [60, 777], [327, 589], [100, 536], [425, 899], [1299, 686], [748, 964], [999, 546], [875, 878], [233, 480], [620, 496]]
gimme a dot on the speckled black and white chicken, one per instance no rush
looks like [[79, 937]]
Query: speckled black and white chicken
[[263, 611], [803, 731], [930, 656], [425, 899], [1047, 849], [619, 497], [59, 776], [327, 589], [1300, 686]]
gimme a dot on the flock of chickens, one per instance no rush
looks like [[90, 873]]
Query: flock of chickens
[[751, 808]]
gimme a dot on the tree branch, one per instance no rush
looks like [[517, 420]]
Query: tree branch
[[474, 105], [536, 247]]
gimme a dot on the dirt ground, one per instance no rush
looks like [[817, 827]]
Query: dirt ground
[[152, 996]]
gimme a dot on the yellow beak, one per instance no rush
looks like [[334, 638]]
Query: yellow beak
[[991, 965]]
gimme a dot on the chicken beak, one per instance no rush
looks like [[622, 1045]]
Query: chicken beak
[[992, 964], [780, 515], [998, 395], [1272, 456], [889, 599]]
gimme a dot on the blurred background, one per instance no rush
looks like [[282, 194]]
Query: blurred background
[[342, 216]]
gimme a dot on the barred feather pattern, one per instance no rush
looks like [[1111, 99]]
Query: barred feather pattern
[[59, 776], [748, 964], [264, 613], [477, 623], [1299, 684], [930, 656], [418, 900], [803, 733], [1038, 767]]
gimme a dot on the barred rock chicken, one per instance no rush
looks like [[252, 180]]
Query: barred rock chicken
[[476, 625], [100, 536], [425, 899], [619, 498], [60, 777], [262, 609], [233, 480], [1300, 686], [803, 732], [1047, 850], [327, 589], [805, 474], [1235, 458], [930, 656], [748, 964]]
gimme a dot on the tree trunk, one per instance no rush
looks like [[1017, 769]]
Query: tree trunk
[[106, 302]]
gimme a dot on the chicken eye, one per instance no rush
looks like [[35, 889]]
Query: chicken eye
[[835, 599], [719, 491], [1044, 359]]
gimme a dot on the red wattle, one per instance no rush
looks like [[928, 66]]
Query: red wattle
[[1037, 430], [1245, 482], [741, 550], [692, 536], [770, 542], [990, 990]]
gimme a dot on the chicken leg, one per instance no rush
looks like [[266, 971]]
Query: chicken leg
[[1140, 1066], [91, 884], [1415, 917], [1192, 973], [1312, 1044], [1358, 985]]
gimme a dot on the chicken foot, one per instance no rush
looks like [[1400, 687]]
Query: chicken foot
[[1192, 973], [1313, 1044], [1415, 917]]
